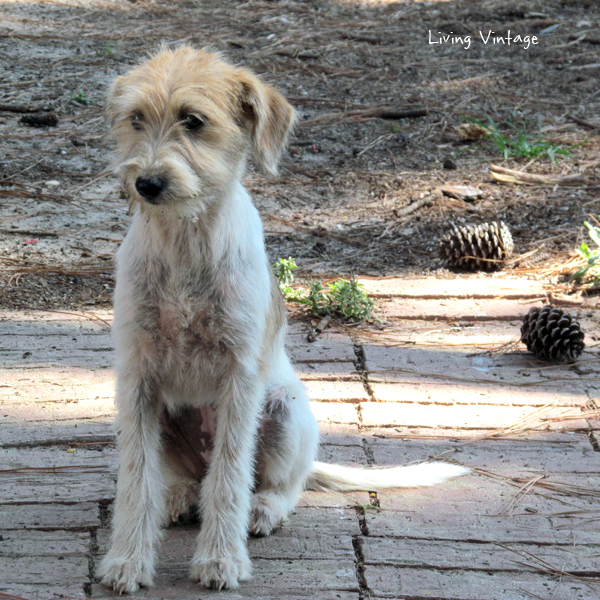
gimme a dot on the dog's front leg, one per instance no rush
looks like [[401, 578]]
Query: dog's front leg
[[140, 494], [221, 559]]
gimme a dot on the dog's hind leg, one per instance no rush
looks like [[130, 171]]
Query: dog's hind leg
[[187, 441], [289, 438]]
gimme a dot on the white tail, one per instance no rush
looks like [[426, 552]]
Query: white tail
[[336, 478]]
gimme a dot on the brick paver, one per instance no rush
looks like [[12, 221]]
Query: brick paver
[[422, 387]]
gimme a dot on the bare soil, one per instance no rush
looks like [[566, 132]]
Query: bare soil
[[335, 205]]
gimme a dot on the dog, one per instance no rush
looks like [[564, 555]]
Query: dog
[[210, 410]]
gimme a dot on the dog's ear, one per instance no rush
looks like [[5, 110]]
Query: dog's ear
[[270, 118], [111, 108]]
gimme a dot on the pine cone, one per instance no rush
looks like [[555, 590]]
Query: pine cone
[[478, 247], [552, 334]]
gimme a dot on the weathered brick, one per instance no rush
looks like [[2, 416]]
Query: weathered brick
[[46, 433], [43, 543], [394, 582], [45, 517], [337, 391], [455, 555], [335, 413], [326, 371], [462, 369], [486, 394], [49, 571], [273, 576], [475, 416], [331, 453], [455, 310], [476, 509], [328, 347], [572, 454], [461, 287], [64, 589], [58, 411]]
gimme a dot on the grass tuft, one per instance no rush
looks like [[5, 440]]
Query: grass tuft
[[520, 144]]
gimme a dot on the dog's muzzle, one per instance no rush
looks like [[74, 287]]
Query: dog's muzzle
[[150, 188]]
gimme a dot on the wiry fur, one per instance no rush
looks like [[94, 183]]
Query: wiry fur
[[199, 328]]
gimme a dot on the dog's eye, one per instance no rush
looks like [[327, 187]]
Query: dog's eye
[[136, 121], [192, 122]]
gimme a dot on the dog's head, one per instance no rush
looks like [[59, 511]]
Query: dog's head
[[184, 123]]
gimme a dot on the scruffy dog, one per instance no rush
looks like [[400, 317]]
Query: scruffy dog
[[210, 410]]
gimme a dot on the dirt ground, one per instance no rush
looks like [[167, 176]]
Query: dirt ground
[[335, 205]]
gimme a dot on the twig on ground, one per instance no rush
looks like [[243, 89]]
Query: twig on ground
[[34, 195], [370, 113], [583, 122], [546, 567], [429, 199], [23, 108], [565, 489], [34, 232], [361, 243], [504, 348], [523, 491], [535, 420], [81, 468], [321, 326], [12, 596], [88, 315], [519, 177]]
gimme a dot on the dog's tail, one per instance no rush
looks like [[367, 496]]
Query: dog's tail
[[336, 478]]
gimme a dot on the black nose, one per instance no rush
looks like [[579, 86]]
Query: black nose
[[150, 187]]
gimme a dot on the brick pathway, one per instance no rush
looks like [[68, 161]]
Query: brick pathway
[[421, 387]]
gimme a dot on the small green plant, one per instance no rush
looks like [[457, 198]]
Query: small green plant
[[341, 298], [592, 256], [366, 506], [284, 272], [394, 127], [107, 49], [521, 143], [82, 97], [348, 299]]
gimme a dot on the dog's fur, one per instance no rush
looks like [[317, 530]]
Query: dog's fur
[[199, 327]]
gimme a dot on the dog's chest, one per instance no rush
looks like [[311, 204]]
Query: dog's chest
[[189, 326]]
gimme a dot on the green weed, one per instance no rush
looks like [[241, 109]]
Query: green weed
[[107, 50], [366, 506], [592, 256], [394, 127], [520, 144], [284, 272], [82, 97], [342, 298]]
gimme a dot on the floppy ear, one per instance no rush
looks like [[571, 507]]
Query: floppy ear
[[111, 108], [271, 119]]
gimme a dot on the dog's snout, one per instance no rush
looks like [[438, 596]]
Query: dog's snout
[[150, 187]]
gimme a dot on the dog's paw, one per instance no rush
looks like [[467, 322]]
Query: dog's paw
[[179, 501], [124, 575], [265, 517], [222, 572]]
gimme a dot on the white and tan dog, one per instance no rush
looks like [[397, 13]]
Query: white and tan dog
[[210, 410]]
